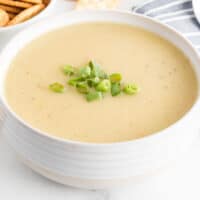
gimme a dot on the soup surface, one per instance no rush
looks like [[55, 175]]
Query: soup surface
[[165, 76]]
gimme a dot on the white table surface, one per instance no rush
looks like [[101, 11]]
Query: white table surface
[[180, 181]]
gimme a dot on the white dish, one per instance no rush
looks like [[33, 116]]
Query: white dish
[[97, 165]]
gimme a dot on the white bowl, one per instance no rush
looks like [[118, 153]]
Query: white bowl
[[9, 31], [97, 165]]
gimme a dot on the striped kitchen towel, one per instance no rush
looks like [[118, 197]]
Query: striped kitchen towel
[[176, 13]]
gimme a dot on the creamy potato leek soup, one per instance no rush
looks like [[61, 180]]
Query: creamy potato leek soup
[[153, 84]]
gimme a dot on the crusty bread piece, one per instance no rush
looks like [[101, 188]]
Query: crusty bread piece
[[26, 14], [4, 18]]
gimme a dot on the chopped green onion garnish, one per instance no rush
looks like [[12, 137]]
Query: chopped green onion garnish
[[57, 87], [104, 86], [93, 82], [94, 95], [115, 78], [69, 70], [85, 72], [131, 89], [115, 89], [82, 87]]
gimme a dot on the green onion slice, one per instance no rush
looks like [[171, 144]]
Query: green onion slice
[[69, 70], [115, 89], [115, 78], [104, 86], [94, 95], [82, 87], [92, 82], [96, 71], [74, 81], [85, 72], [131, 89], [57, 87]]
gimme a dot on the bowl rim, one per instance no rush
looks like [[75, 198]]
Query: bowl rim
[[31, 20], [147, 138]]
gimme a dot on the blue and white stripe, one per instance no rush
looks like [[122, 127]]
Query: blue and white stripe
[[176, 13]]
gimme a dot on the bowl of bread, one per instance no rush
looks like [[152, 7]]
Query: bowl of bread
[[18, 12]]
